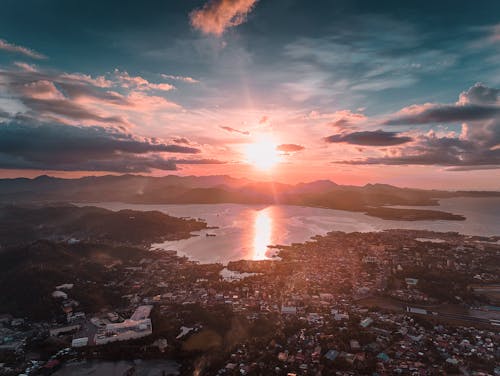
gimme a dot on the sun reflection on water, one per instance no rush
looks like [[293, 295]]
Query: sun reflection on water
[[263, 229]]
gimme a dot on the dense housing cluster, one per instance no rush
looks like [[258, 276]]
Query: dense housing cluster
[[394, 302]]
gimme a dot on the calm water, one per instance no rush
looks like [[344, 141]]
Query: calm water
[[245, 231]]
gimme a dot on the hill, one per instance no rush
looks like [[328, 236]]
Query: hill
[[224, 189], [63, 222]]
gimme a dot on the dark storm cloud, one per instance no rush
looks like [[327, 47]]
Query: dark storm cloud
[[369, 138], [289, 148], [234, 130], [62, 147]]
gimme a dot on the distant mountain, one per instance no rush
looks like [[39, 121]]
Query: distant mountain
[[174, 189], [318, 186]]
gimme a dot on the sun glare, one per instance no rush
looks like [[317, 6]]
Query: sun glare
[[263, 229], [262, 154]]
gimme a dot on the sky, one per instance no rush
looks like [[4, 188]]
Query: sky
[[403, 93]]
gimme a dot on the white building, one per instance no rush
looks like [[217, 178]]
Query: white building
[[127, 330], [138, 326], [80, 342]]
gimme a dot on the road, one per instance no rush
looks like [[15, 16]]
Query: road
[[452, 316]]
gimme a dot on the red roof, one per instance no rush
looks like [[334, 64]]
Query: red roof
[[52, 363]]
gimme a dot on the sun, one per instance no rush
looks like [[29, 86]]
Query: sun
[[262, 154]]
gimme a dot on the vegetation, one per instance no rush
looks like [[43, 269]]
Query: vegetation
[[26, 224], [30, 273]]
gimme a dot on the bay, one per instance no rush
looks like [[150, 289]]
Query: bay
[[245, 231]]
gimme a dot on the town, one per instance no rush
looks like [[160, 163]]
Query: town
[[383, 303]]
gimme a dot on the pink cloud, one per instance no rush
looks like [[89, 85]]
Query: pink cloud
[[25, 66], [289, 148], [264, 120], [218, 15], [139, 83], [80, 99], [142, 102], [189, 80], [99, 81], [44, 90], [339, 119], [10, 47]]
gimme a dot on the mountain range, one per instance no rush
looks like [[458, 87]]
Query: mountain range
[[372, 199]]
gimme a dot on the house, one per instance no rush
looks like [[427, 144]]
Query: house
[[411, 282], [80, 342], [332, 355], [354, 344], [288, 310], [365, 323]]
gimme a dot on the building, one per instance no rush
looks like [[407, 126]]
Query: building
[[55, 332], [80, 342], [138, 326], [288, 310]]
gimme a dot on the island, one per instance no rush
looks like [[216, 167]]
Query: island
[[397, 214]]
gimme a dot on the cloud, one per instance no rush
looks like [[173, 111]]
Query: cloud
[[189, 80], [369, 138], [79, 99], [218, 15], [67, 109], [444, 151], [140, 83], [379, 59], [88, 93], [341, 119], [234, 130], [477, 103], [10, 47], [289, 148], [476, 147], [264, 120], [437, 113], [181, 140], [25, 66], [480, 94], [71, 148], [99, 81]]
